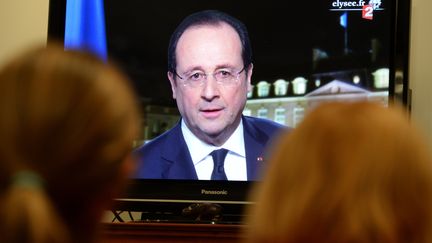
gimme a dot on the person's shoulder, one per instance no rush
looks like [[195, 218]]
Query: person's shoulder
[[265, 124], [263, 130], [155, 144]]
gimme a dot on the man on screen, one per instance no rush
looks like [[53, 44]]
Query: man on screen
[[209, 68]]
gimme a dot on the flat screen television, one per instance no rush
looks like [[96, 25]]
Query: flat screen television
[[304, 53]]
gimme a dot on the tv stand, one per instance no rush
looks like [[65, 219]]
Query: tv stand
[[171, 232], [174, 222], [181, 212]]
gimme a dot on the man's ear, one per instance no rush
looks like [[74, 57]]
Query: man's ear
[[249, 77], [171, 77]]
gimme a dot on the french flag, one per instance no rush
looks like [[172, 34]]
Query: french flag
[[85, 27], [344, 20]]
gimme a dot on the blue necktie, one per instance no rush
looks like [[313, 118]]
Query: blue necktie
[[218, 160]]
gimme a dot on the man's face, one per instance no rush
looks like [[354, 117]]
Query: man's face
[[213, 110]]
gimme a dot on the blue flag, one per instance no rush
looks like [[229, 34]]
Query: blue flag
[[344, 20], [85, 26]]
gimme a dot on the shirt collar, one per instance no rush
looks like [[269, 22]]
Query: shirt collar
[[199, 150]]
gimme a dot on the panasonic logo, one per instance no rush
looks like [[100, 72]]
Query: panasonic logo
[[214, 192]]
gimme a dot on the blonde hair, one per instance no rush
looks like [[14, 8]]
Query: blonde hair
[[351, 172], [68, 119]]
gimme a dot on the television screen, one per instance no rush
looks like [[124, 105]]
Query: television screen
[[303, 53]]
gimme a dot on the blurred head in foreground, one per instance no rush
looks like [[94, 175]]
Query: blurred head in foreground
[[350, 172], [66, 130]]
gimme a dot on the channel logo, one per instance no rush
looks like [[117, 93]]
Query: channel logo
[[367, 10]]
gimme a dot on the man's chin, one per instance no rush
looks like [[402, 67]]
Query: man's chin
[[213, 133]]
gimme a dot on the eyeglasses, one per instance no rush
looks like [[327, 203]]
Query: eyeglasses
[[224, 76]]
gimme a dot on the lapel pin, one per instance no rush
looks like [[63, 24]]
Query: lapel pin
[[260, 159]]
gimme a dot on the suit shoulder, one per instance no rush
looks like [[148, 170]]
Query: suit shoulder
[[153, 145], [265, 124]]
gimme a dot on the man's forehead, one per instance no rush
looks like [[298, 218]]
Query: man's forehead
[[216, 26], [211, 44]]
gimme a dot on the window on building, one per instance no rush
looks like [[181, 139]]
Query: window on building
[[262, 113], [263, 89], [280, 115], [281, 87], [247, 112], [298, 115]]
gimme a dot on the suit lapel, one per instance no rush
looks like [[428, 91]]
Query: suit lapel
[[255, 141], [177, 162]]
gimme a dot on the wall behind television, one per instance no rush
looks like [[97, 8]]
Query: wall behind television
[[420, 65], [24, 23]]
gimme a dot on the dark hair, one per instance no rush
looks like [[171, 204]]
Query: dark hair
[[209, 17]]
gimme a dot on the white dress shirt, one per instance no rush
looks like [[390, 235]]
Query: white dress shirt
[[235, 161]]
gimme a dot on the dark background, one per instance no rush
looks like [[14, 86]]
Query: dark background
[[282, 38]]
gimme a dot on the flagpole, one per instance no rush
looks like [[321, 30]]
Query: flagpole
[[346, 32], [344, 23], [346, 40]]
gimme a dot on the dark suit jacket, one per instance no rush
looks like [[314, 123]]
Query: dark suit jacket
[[167, 156]]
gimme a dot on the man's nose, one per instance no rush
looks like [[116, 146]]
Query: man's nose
[[210, 88]]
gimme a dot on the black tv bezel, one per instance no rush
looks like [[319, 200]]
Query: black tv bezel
[[172, 195]]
